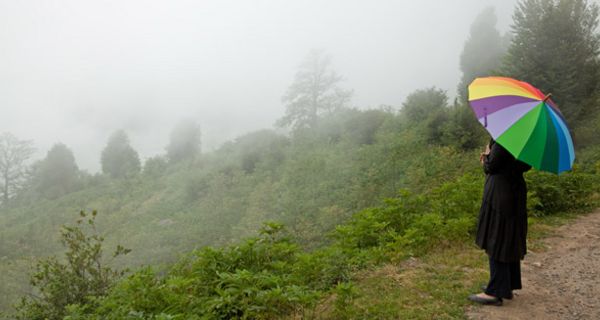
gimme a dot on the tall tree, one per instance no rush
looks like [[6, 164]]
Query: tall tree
[[314, 92], [483, 50], [58, 173], [555, 47], [118, 158], [14, 154], [184, 141]]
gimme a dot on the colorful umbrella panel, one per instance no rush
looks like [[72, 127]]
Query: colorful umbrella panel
[[524, 121]]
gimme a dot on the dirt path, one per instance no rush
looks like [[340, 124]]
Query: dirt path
[[562, 282]]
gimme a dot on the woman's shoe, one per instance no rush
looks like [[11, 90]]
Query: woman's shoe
[[487, 301], [483, 288]]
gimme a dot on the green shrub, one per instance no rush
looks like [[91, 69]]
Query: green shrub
[[550, 193], [80, 279], [325, 267], [375, 226], [253, 280], [345, 293]]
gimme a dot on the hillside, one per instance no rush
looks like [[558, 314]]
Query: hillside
[[365, 188], [310, 182], [272, 276]]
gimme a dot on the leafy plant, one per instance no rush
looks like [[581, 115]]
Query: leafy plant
[[80, 279]]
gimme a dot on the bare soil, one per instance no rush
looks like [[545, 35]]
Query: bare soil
[[562, 281]]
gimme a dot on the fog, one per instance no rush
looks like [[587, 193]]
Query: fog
[[75, 71]]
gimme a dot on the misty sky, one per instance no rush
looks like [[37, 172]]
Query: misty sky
[[74, 71]]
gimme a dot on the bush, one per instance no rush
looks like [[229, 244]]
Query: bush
[[570, 191], [253, 280], [81, 279], [375, 226]]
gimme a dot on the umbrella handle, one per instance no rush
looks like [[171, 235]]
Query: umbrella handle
[[485, 117]]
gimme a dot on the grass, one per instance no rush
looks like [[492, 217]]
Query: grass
[[431, 287]]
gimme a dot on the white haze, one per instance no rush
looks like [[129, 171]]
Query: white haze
[[74, 71]]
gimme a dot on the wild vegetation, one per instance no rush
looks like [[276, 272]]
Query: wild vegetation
[[349, 190]]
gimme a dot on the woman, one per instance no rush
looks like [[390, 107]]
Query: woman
[[502, 225]]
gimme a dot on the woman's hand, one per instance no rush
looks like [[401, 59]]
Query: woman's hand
[[484, 154]]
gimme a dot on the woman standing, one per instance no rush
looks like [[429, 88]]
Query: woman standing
[[502, 225]]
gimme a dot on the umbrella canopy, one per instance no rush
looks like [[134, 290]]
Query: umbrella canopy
[[524, 121]]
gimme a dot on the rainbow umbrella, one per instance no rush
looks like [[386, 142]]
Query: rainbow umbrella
[[524, 121]]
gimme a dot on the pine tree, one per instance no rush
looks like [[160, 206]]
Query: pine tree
[[57, 174], [119, 159], [483, 51], [555, 47]]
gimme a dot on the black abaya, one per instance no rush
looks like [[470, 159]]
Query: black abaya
[[502, 225]]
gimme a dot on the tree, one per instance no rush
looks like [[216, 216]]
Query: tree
[[462, 130], [362, 126], [420, 104], [555, 47], [264, 147], [483, 50], [119, 159], [427, 109], [79, 280], [58, 173], [14, 154], [155, 166], [184, 141], [314, 92]]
